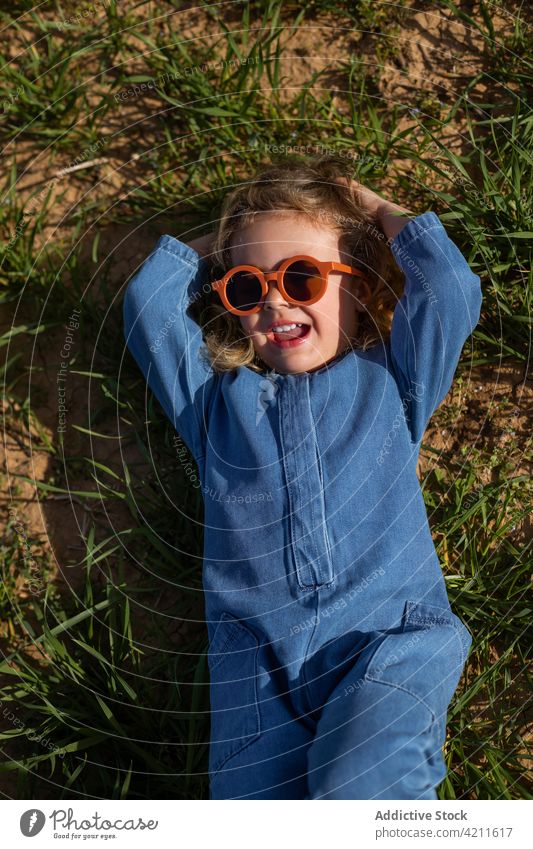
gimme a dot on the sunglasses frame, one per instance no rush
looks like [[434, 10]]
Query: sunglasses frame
[[324, 268]]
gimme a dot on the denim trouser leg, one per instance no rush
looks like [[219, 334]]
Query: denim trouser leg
[[376, 722], [259, 742], [382, 728], [272, 767], [372, 743]]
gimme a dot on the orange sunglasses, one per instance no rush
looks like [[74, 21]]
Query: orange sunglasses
[[301, 280]]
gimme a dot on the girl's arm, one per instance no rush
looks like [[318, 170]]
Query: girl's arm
[[202, 244], [164, 339], [439, 309], [390, 217]]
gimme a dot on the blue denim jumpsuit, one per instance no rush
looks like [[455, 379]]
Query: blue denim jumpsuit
[[333, 650]]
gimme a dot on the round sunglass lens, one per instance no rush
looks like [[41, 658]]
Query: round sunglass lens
[[302, 280], [243, 290]]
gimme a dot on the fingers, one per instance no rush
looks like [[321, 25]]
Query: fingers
[[368, 200]]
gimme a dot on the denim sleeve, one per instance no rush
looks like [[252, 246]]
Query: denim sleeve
[[439, 309], [165, 341]]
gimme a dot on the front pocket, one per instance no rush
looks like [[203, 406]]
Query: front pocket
[[425, 657], [235, 721], [420, 614]]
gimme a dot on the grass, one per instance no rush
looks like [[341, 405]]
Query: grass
[[104, 689]]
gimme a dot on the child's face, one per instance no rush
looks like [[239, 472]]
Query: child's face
[[332, 320]]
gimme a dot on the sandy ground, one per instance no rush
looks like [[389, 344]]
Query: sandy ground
[[485, 409]]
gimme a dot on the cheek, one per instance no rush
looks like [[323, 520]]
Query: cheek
[[337, 310], [247, 325], [332, 307]]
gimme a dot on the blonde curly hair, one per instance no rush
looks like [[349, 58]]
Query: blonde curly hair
[[306, 185]]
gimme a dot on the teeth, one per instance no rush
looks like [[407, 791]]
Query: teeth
[[281, 328]]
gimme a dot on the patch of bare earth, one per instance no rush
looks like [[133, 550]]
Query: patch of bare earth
[[432, 53]]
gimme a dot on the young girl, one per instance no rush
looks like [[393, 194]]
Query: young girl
[[333, 650]]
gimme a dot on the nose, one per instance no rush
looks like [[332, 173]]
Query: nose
[[273, 296]]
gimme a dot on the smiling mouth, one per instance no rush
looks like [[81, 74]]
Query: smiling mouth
[[289, 338]]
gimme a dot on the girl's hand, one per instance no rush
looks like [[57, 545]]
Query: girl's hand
[[390, 217]]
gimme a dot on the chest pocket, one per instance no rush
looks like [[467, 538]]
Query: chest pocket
[[235, 718]]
